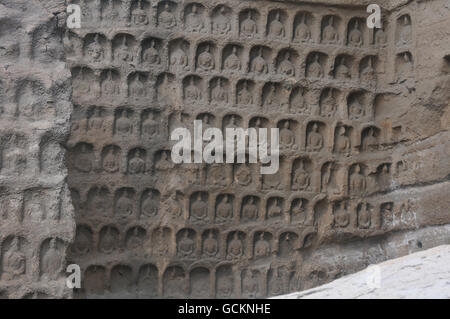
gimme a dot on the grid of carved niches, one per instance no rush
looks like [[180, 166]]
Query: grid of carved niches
[[201, 205], [317, 81], [127, 128], [150, 280], [335, 99], [143, 57], [137, 60], [220, 194], [206, 56], [139, 245]]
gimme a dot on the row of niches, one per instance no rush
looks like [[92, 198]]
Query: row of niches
[[196, 209], [234, 59], [251, 22], [19, 156], [154, 123], [27, 99], [32, 206], [200, 206], [314, 137], [187, 243], [300, 209], [176, 281], [299, 174], [192, 89], [19, 260], [181, 55]]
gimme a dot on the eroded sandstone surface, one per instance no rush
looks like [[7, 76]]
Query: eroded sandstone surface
[[364, 132]]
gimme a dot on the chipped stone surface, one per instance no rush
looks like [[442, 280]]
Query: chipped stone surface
[[364, 131], [422, 275]]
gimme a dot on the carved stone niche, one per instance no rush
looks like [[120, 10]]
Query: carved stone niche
[[403, 32], [404, 66], [303, 30], [151, 51], [124, 49], [358, 107], [329, 103], [330, 30], [166, 15], [251, 283], [52, 258], [179, 55], [276, 27], [368, 69], [140, 13], [245, 93], [45, 46], [195, 18], [249, 23], [33, 101], [343, 139], [316, 64], [357, 32], [205, 59], [95, 283], [343, 67], [121, 279], [224, 209], [286, 63], [219, 93], [83, 78], [147, 282], [125, 204], [301, 175], [199, 283], [83, 243], [15, 262], [173, 276], [110, 86], [224, 282], [222, 16], [95, 48], [138, 89], [260, 60], [299, 211]]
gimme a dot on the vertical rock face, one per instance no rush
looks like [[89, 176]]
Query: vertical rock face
[[36, 215], [363, 116]]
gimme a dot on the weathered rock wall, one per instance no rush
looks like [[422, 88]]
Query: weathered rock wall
[[36, 215]]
